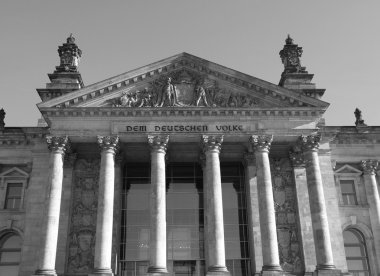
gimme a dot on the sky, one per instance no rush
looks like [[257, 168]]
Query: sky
[[340, 40]]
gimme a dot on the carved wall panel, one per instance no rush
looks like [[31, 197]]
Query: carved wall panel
[[184, 88], [289, 240], [81, 246]]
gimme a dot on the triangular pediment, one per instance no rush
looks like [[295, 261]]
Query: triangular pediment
[[14, 172], [347, 169], [194, 82]]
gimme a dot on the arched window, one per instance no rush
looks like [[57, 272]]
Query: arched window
[[10, 254], [356, 253]]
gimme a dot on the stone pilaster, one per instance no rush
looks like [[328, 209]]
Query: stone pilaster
[[271, 261], [157, 247], [58, 146], [372, 191], [255, 245], [299, 173], [104, 223], [214, 209], [321, 232]]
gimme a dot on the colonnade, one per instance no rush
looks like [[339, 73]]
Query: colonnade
[[258, 167]]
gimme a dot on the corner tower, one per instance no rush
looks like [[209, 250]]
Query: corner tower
[[66, 77], [295, 77]]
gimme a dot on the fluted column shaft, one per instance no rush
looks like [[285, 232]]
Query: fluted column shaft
[[157, 246], [271, 260], [372, 191], [58, 146], [214, 207], [104, 223], [321, 233]]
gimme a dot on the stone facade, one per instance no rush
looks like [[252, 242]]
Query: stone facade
[[306, 184]]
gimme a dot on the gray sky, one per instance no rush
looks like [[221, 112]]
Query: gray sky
[[340, 39]]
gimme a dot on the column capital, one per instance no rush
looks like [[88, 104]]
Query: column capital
[[212, 142], [108, 143], [369, 166], [261, 143], [296, 159], [158, 143], [309, 142], [249, 159], [58, 144]]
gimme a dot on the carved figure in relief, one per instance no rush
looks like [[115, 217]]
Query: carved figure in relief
[[81, 258], [200, 94], [169, 94]]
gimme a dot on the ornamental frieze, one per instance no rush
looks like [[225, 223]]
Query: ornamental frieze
[[83, 217], [181, 89]]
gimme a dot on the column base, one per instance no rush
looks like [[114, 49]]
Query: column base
[[217, 270], [157, 270], [273, 270], [328, 270], [101, 272], [45, 272]]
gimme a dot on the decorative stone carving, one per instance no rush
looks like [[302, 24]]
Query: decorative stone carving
[[286, 218], [158, 143], [309, 142], [59, 144], [261, 142], [69, 160], [183, 88], [212, 142], [83, 217], [290, 56], [296, 158], [369, 166]]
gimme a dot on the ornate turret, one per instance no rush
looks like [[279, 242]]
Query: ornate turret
[[66, 77], [69, 55], [295, 76]]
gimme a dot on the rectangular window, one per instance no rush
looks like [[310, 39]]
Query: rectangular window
[[348, 192], [13, 196]]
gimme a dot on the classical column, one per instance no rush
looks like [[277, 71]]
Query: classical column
[[321, 233], [214, 209], [253, 216], [58, 146], [271, 261], [103, 246], [372, 191], [157, 246], [304, 216]]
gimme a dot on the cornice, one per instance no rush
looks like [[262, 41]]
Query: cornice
[[177, 62], [183, 111]]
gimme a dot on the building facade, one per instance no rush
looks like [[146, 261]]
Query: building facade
[[186, 167]]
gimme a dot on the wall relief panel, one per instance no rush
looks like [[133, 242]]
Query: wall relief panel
[[83, 217], [289, 240], [184, 88]]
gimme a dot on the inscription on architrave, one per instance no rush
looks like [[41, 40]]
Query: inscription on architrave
[[289, 242], [83, 217]]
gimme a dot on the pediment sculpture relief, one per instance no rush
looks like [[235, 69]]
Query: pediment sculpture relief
[[182, 89]]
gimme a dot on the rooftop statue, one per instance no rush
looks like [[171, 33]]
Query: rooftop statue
[[359, 120], [2, 117]]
